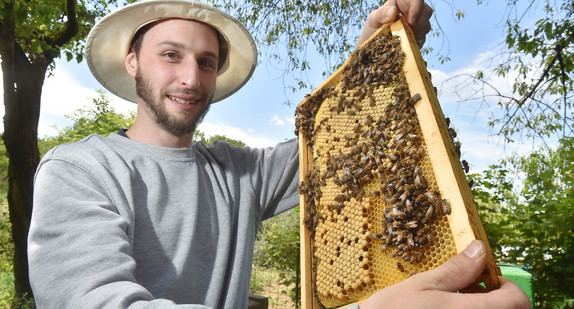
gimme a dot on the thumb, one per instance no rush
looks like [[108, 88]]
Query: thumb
[[459, 271], [387, 14]]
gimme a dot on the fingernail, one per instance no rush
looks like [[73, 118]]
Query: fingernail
[[474, 250]]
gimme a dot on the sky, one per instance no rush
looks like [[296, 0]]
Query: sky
[[257, 115]]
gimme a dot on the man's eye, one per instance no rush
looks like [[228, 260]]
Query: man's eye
[[171, 55], [207, 63]]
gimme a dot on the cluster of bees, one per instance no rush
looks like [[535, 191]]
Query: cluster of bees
[[367, 146]]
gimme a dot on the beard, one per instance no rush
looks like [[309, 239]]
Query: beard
[[175, 125]]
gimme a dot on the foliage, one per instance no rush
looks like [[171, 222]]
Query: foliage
[[539, 58], [6, 254], [40, 25], [7, 295], [99, 118], [199, 136], [3, 175], [290, 31], [277, 247], [527, 205], [287, 28]]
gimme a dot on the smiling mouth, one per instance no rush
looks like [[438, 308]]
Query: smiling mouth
[[182, 101]]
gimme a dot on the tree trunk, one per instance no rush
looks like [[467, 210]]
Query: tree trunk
[[22, 92]]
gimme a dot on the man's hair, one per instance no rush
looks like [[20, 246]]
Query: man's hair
[[136, 42]]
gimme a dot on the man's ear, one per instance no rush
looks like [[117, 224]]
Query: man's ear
[[131, 63]]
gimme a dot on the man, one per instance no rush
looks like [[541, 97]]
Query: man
[[140, 219]]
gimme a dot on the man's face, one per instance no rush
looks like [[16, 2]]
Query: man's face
[[176, 69]]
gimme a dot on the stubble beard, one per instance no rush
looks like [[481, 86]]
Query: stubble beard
[[162, 117]]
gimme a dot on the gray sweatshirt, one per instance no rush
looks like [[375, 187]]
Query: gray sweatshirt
[[121, 224]]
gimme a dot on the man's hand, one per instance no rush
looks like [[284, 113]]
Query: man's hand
[[416, 12], [438, 288]]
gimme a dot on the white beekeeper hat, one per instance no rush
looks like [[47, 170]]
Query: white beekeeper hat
[[109, 41]]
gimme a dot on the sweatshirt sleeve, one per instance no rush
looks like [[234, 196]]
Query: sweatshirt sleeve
[[79, 249], [272, 172], [277, 178]]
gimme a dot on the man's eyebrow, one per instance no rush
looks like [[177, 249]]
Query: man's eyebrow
[[178, 45]]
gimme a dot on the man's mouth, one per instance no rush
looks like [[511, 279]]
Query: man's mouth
[[182, 101]]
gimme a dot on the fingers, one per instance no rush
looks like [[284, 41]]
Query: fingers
[[458, 272], [418, 16], [416, 12], [512, 294], [509, 295], [437, 288], [384, 14]]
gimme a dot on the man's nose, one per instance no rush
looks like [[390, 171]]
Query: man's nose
[[189, 74]]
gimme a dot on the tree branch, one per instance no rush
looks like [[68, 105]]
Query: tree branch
[[540, 80], [565, 93], [71, 28]]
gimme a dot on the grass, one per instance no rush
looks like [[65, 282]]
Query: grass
[[6, 263], [6, 288], [264, 282]]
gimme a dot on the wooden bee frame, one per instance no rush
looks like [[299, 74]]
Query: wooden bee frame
[[462, 215]]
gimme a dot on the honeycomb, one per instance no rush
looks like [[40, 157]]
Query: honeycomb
[[373, 208]]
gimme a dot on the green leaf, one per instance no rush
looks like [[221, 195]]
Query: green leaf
[[460, 14]]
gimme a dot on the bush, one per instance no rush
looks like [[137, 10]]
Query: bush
[[277, 249]]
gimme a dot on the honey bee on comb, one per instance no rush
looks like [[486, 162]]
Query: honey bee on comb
[[375, 206]]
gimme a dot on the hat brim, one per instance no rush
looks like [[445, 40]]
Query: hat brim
[[108, 44]]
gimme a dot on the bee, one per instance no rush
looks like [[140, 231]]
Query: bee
[[417, 170], [452, 132], [375, 192], [404, 196], [397, 214], [417, 181], [429, 214], [412, 152], [395, 167], [400, 267], [419, 199], [417, 97], [409, 205], [465, 166], [446, 206], [457, 148], [340, 198], [412, 225], [401, 247], [410, 240], [430, 196], [365, 159]]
